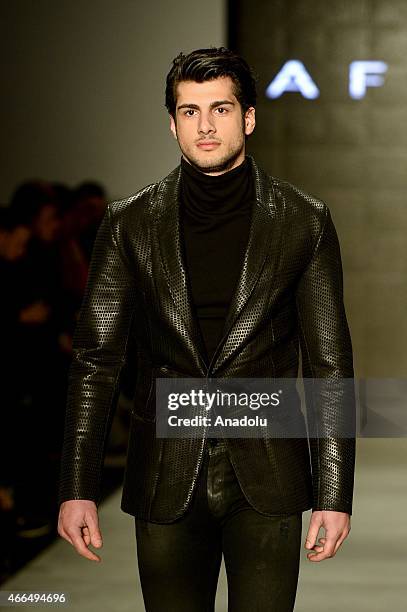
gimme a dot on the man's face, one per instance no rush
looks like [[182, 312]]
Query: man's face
[[15, 242], [47, 224], [209, 125]]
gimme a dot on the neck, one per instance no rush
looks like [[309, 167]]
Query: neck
[[216, 194], [234, 164]]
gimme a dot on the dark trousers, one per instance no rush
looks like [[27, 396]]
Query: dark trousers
[[179, 562]]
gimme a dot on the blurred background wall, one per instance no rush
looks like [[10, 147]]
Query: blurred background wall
[[83, 87], [350, 152]]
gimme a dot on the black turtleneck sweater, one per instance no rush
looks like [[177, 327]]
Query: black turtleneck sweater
[[215, 222]]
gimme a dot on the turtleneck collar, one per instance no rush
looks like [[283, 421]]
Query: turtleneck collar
[[204, 194]]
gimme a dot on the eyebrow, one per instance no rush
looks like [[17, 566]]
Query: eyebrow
[[212, 104]]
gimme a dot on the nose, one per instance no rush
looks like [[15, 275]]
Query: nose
[[206, 124]]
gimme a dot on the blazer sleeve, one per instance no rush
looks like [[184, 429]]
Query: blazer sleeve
[[327, 360], [99, 348]]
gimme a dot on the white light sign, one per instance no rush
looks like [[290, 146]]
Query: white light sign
[[294, 77], [363, 74]]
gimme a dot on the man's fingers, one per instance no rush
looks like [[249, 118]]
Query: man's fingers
[[328, 549], [64, 535], [86, 540], [342, 537], [94, 531], [78, 524], [80, 546], [336, 526], [340, 540], [86, 536], [319, 547], [312, 535]]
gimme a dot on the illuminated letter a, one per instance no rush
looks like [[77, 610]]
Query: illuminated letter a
[[293, 76]]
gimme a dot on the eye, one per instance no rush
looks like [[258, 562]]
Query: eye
[[189, 112], [222, 110]]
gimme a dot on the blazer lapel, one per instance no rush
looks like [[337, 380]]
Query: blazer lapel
[[168, 236], [262, 233]]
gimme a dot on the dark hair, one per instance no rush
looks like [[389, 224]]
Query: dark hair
[[89, 189], [208, 64], [9, 219], [30, 197]]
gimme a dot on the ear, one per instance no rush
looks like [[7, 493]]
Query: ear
[[173, 127], [249, 120]]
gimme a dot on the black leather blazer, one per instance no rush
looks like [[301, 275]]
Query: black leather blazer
[[138, 302]]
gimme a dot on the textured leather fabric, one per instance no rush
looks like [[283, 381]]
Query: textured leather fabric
[[137, 302], [179, 562]]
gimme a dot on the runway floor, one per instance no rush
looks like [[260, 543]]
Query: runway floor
[[368, 574]]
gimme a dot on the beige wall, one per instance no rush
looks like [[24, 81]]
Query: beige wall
[[351, 153], [83, 87]]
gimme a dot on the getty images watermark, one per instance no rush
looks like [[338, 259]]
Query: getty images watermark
[[249, 407], [275, 407]]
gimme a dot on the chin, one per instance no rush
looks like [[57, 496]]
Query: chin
[[208, 162]]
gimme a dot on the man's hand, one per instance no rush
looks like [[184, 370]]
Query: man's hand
[[78, 524], [337, 528]]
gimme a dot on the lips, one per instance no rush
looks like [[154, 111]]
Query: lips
[[208, 144]]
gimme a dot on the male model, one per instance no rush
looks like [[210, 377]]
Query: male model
[[218, 270]]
